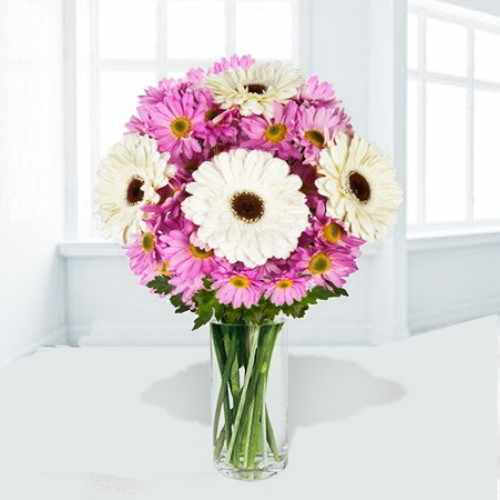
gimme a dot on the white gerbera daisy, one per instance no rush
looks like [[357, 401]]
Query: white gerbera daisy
[[359, 185], [249, 208], [256, 88], [127, 179]]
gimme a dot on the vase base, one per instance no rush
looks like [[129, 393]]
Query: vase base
[[258, 474]]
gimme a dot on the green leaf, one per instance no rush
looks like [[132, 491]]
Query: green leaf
[[160, 285]]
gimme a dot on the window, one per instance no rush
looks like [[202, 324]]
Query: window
[[453, 168], [124, 46]]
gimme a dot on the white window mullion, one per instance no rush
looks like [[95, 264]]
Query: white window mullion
[[469, 184], [230, 12], [421, 119], [161, 37], [95, 94]]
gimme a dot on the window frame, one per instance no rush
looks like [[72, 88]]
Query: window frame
[[83, 69], [425, 10]]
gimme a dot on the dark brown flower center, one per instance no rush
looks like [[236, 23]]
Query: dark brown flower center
[[248, 207], [359, 187], [255, 88], [212, 113], [315, 137], [134, 192]]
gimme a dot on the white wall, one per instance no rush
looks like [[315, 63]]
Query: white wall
[[31, 190]]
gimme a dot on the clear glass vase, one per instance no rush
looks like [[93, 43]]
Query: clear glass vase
[[249, 399]]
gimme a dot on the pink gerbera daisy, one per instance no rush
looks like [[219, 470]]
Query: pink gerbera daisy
[[186, 258], [239, 288], [286, 289], [317, 127], [173, 122], [146, 258], [273, 134], [326, 266]]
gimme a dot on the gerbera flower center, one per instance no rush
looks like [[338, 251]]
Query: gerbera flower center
[[359, 187], [284, 284], [275, 133], [320, 263], [148, 242], [135, 194], [256, 88], [316, 138], [180, 126], [240, 281], [199, 253], [248, 207], [333, 233]]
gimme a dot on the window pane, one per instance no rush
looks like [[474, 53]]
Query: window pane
[[195, 29], [412, 41], [446, 153], [264, 29], [412, 154], [127, 29], [487, 48], [119, 99], [446, 48], [486, 158]]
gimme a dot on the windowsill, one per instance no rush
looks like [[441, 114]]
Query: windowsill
[[435, 239]]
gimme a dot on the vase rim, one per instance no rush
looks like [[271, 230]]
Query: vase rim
[[278, 321]]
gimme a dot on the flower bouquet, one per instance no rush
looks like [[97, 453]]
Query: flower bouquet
[[243, 194]]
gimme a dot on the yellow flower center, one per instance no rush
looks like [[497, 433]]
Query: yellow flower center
[[316, 138], [240, 281], [285, 283], [180, 126], [148, 242], [163, 268], [333, 233], [275, 133], [199, 253], [320, 263]]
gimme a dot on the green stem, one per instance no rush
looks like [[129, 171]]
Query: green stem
[[223, 398], [248, 375]]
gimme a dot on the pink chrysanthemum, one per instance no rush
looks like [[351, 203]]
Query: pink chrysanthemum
[[317, 127], [173, 121], [325, 266], [186, 288], [238, 288], [332, 232], [286, 289], [186, 258], [274, 134], [233, 62], [218, 127], [146, 258], [314, 90]]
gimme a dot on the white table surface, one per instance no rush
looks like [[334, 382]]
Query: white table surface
[[409, 420]]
